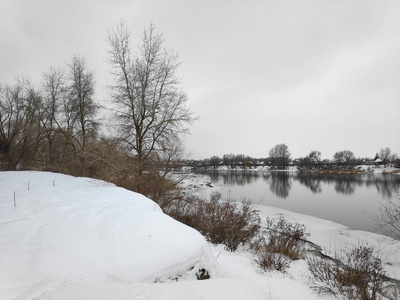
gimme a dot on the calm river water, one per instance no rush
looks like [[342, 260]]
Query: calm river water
[[348, 199]]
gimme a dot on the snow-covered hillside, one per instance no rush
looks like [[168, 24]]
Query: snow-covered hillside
[[79, 238], [67, 230]]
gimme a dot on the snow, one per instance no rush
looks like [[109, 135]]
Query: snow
[[334, 238], [206, 289], [79, 238], [371, 169], [85, 230], [380, 169], [338, 239]]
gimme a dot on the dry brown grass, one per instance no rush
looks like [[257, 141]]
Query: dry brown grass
[[220, 221], [279, 243], [357, 274]]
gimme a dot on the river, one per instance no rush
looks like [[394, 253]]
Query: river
[[353, 200]]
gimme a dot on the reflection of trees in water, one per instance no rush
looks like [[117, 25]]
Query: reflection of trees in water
[[214, 175], [280, 184], [239, 178], [345, 186], [344, 183], [312, 181], [232, 178], [385, 190], [387, 185]]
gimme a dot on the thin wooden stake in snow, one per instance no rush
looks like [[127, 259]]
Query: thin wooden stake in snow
[[15, 203], [54, 182], [28, 184]]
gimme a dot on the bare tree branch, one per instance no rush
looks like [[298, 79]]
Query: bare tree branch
[[151, 107]]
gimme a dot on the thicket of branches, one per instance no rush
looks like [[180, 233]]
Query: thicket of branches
[[388, 218], [150, 106], [54, 125], [49, 127]]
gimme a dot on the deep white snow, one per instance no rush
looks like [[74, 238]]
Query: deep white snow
[[79, 238]]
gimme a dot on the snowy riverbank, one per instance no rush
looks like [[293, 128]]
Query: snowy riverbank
[[78, 238], [367, 169]]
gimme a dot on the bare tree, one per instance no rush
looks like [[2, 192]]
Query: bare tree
[[172, 151], [54, 92], [344, 157], [151, 107], [311, 161], [32, 130], [239, 160], [80, 107], [384, 154], [215, 161], [315, 157], [280, 156], [10, 123], [247, 162], [20, 130], [229, 160]]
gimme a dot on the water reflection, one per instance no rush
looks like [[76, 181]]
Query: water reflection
[[385, 187], [349, 199], [280, 183], [347, 184], [232, 178], [312, 181]]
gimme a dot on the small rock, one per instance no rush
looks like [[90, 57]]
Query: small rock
[[202, 274]]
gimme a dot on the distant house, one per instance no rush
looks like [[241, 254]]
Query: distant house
[[377, 161]]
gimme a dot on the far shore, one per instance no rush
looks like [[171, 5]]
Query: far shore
[[359, 169]]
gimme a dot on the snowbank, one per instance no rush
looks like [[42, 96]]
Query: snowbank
[[78, 238], [65, 230], [380, 169]]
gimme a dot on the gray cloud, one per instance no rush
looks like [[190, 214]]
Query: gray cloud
[[313, 74]]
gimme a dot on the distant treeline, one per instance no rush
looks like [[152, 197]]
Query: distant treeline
[[280, 158]]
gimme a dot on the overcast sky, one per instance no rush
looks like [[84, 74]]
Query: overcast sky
[[315, 75]]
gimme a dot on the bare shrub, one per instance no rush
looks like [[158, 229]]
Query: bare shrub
[[287, 238], [220, 221], [266, 258], [180, 206], [357, 275], [281, 242], [388, 219]]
